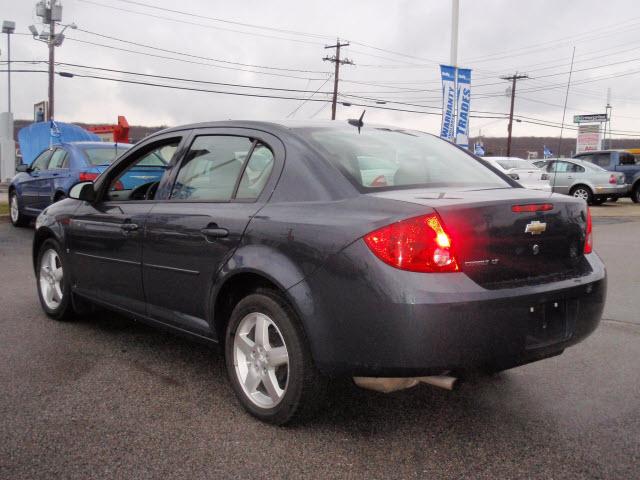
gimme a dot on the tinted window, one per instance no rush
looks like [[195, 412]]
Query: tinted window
[[560, 167], [58, 159], [401, 159], [41, 161], [104, 155], [627, 159], [256, 174], [601, 159], [211, 168]]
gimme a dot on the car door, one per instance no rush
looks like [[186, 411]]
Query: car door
[[106, 235], [561, 178], [34, 187], [59, 172], [190, 234]]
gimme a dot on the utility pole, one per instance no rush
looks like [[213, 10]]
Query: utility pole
[[513, 79], [51, 13], [52, 36], [337, 61]]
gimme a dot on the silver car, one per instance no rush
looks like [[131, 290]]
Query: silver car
[[584, 180]]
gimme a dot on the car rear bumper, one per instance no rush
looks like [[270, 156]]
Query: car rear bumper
[[611, 190], [394, 327]]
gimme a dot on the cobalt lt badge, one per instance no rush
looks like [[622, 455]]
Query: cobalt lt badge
[[535, 227]]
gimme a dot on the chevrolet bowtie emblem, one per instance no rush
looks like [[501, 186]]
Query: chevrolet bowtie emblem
[[535, 227]]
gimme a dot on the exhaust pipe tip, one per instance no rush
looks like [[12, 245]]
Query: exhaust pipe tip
[[389, 384]]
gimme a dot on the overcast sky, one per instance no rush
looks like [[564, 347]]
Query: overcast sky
[[411, 37]]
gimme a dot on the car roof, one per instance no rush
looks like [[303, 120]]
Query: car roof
[[603, 151], [93, 144], [284, 125]]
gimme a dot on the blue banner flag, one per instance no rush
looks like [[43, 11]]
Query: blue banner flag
[[546, 152], [464, 106], [478, 149], [448, 101]]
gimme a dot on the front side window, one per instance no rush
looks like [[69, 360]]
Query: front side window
[[141, 178], [58, 159], [41, 162], [377, 158], [211, 168]]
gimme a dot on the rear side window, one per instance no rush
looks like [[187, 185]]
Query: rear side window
[[377, 158], [627, 159], [256, 173], [600, 159], [103, 156], [58, 159], [211, 168]]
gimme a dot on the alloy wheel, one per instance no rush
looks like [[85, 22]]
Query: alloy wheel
[[14, 211], [581, 193], [50, 278], [261, 360]]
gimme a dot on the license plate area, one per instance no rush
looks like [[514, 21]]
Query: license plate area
[[548, 323]]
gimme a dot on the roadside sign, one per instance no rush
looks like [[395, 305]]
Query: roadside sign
[[593, 118], [589, 138], [40, 111]]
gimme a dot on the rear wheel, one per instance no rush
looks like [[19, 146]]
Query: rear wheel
[[54, 290], [635, 193], [17, 218], [268, 360], [582, 192], [59, 196]]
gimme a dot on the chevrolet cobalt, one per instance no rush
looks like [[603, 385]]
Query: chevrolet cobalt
[[312, 251]]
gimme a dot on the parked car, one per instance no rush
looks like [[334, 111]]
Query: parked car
[[522, 171], [618, 161], [53, 172], [585, 180], [304, 271]]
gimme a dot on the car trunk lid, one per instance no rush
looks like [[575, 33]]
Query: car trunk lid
[[499, 247]]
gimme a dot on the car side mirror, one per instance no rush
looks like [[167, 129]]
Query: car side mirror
[[83, 191], [23, 168]]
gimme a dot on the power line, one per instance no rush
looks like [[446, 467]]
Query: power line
[[293, 112]]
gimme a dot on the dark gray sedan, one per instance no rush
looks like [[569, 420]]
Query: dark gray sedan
[[319, 250]]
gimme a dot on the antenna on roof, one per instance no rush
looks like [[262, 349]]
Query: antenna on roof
[[357, 122]]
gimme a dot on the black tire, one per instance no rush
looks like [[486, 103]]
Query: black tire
[[19, 220], [59, 196], [582, 191], [305, 386], [613, 199], [64, 311], [597, 200], [635, 193]]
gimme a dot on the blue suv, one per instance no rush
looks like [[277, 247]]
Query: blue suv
[[53, 172]]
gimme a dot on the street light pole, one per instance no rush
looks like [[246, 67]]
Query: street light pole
[[51, 45], [8, 27]]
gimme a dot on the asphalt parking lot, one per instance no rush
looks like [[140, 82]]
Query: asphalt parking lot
[[109, 398]]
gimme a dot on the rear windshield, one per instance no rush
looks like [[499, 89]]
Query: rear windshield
[[381, 158], [104, 155]]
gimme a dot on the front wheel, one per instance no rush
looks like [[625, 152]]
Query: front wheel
[[268, 360], [635, 194], [17, 218], [54, 290]]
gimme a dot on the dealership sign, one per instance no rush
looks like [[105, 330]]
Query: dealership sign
[[464, 107], [448, 101], [589, 138], [593, 118]]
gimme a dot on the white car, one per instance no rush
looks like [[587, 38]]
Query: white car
[[522, 171]]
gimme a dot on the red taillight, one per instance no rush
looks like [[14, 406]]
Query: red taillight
[[612, 179], [418, 244], [88, 176], [588, 241], [532, 207]]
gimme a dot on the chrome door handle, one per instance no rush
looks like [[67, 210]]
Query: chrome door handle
[[215, 232], [129, 227]]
